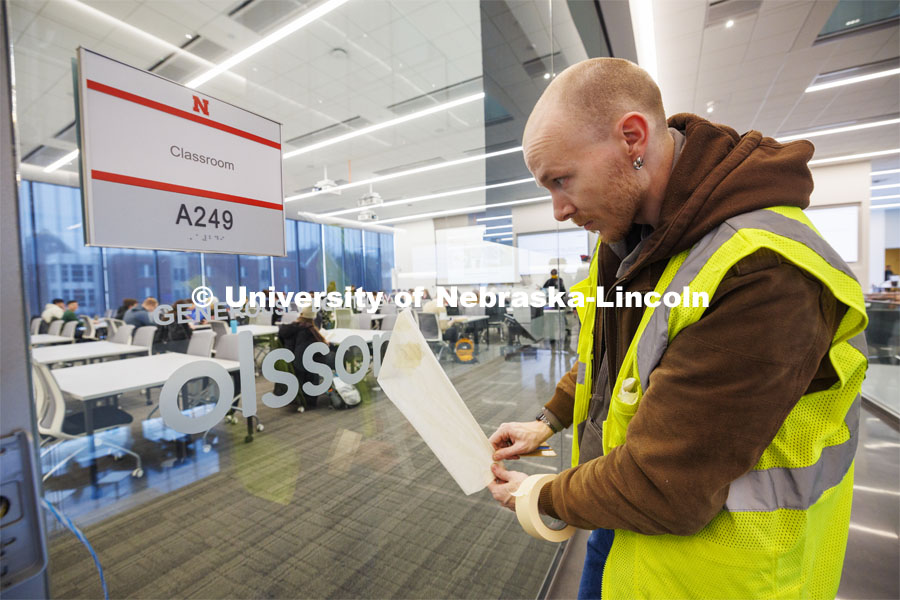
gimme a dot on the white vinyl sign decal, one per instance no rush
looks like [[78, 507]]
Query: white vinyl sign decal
[[165, 167]]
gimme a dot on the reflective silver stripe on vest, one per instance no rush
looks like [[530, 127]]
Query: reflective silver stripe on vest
[[799, 488], [582, 368], [655, 338], [859, 342]]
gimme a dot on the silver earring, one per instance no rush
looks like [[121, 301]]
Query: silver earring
[[638, 163]]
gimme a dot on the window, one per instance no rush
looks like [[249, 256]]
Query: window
[[131, 274], [287, 274], [58, 244], [221, 271], [256, 272], [309, 253], [179, 274]]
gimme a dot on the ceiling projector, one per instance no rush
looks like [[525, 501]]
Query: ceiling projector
[[367, 215], [370, 199], [327, 186]]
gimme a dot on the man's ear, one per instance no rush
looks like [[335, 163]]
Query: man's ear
[[635, 130]]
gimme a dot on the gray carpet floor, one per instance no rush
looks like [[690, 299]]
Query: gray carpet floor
[[322, 504]]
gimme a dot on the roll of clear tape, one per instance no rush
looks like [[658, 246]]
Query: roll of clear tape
[[529, 516]]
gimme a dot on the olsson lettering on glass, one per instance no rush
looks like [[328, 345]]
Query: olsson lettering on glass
[[183, 423]]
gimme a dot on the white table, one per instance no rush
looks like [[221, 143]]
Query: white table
[[45, 339], [90, 383], [85, 351], [336, 336], [467, 318], [102, 380], [258, 330]]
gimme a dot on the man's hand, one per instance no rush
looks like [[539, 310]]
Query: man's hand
[[505, 483], [513, 439]]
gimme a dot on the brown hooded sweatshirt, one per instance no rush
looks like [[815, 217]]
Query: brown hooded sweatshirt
[[726, 383]]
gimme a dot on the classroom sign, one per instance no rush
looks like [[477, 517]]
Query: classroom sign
[[165, 167]]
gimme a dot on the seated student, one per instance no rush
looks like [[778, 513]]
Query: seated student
[[450, 332], [297, 337], [127, 303], [139, 316], [53, 310], [175, 336], [71, 309]]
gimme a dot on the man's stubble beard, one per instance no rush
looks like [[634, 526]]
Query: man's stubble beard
[[623, 202]]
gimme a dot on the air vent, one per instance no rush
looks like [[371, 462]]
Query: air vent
[[44, 156], [412, 165], [538, 67], [263, 16], [438, 96], [725, 10], [207, 49], [857, 71], [316, 135], [492, 148]]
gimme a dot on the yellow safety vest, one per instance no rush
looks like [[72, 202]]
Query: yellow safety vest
[[783, 530]]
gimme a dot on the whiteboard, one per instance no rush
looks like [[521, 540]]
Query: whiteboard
[[840, 227]]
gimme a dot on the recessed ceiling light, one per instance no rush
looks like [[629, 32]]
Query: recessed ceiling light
[[282, 32], [188, 36], [729, 24], [820, 132], [62, 161], [410, 201], [546, 75], [849, 157], [449, 163], [851, 80], [466, 210], [851, 22], [887, 172], [709, 109], [378, 126]]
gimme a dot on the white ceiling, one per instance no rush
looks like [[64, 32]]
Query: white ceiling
[[396, 51]]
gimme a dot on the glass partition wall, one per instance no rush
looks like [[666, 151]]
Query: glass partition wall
[[402, 169]]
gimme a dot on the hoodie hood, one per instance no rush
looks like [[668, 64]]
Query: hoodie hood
[[719, 175]]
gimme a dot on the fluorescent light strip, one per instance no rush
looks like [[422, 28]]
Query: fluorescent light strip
[[872, 490], [497, 234], [883, 206], [371, 180], [885, 187], [509, 239], [811, 134], [498, 227], [483, 219], [891, 197], [850, 80], [276, 36], [62, 161], [887, 172], [825, 161], [463, 211], [314, 218], [879, 532], [385, 125], [480, 188], [644, 34]]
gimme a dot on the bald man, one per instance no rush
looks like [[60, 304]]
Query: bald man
[[713, 447]]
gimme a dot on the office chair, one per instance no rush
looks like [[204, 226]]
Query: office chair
[[431, 331], [387, 323], [144, 337], [201, 343], [68, 329], [55, 327], [35, 327], [122, 335], [56, 425], [90, 332], [111, 327], [221, 330], [227, 349], [343, 318]]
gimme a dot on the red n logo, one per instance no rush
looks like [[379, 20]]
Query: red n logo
[[201, 106]]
